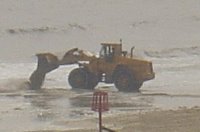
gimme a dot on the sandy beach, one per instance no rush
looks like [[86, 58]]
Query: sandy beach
[[181, 120]]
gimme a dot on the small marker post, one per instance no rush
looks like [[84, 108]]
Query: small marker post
[[100, 104]]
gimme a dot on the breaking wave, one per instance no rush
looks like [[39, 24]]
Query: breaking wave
[[45, 29], [15, 76], [174, 52]]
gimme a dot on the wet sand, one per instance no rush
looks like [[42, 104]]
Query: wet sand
[[60, 110], [182, 120]]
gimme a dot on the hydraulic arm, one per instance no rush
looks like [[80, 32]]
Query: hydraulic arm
[[48, 62]]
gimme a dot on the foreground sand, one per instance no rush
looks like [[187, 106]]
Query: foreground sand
[[182, 120]]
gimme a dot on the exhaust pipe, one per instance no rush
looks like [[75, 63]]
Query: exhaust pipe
[[132, 51]]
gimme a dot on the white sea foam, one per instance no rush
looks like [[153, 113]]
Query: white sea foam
[[13, 75], [174, 75]]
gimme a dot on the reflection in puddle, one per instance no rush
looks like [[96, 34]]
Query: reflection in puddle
[[38, 110], [45, 115]]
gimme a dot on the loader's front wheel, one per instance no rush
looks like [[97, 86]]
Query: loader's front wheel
[[92, 80], [125, 81], [81, 78]]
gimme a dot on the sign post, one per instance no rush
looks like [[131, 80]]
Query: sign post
[[100, 104]]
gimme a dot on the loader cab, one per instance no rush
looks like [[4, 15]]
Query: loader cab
[[109, 51]]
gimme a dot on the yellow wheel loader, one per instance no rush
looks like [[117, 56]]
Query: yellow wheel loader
[[113, 65]]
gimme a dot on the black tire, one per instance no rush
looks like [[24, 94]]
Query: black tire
[[93, 80], [77, 78], [82, 79], [125, 81]]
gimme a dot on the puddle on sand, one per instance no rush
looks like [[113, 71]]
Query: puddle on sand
[[40, 110], [176, 102]]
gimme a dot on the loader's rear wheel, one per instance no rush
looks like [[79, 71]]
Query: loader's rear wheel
[[125, 81], [81, 78]]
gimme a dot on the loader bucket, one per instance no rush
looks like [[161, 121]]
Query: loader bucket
[[46, 63]]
